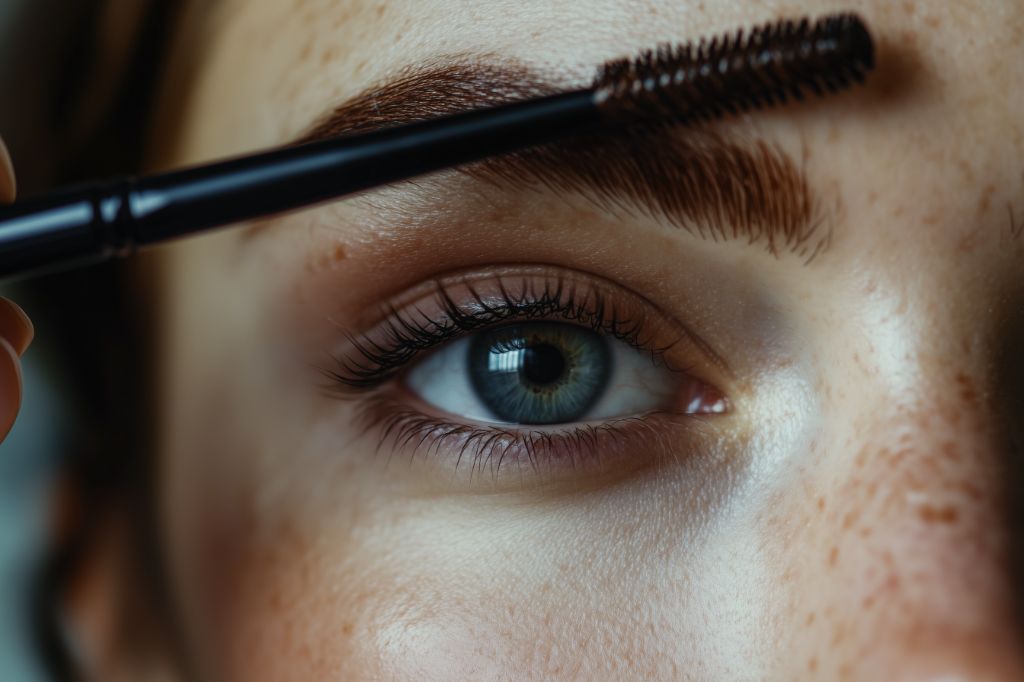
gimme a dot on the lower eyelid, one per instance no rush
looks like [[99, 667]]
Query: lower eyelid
[[508, 453], [404, 425]]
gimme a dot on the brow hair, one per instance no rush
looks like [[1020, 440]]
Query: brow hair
[[712, 184]]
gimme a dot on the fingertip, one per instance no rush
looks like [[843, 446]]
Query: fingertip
[[15, 326], [10, 387], [8, 183]]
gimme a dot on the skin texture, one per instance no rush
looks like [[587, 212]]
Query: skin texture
[[15, 328], [850, 519]]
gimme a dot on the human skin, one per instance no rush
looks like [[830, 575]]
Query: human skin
[[849, 518], [15, 328]]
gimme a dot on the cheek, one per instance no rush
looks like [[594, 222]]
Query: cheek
[[895, 547], [441, 591], [336, 609]]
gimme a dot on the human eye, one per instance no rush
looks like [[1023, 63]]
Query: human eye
[[548, 373], [538, 367]]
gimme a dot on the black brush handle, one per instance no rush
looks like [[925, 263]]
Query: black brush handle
[[95, 222], [695, 82], [73, 226]]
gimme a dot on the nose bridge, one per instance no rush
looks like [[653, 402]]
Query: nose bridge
[[925, 522], [933, 448], [931, 479]]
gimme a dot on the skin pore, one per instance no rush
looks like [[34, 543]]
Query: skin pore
[[850, 517]]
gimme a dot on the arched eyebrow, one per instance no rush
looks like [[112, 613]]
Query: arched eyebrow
[[717, 185]]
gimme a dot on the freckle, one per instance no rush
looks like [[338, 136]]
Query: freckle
[[833, 556], [866, 531], [869, 601], [972, 491], [968, 393], [810, 619], [946, 515], [849, 520], [933, 23], [985, 201], [346, 629], [307, 49], [339, 254], [328, 55], [967, 170], [812, 665], [821, 504]]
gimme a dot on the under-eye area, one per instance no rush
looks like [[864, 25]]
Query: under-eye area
[[529, 366]]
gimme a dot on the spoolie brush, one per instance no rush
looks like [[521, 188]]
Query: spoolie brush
[[686, 84], [737, 72]]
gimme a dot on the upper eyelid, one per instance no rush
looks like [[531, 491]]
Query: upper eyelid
[[397, 341]]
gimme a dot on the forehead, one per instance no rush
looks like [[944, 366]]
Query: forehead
[[275, 64], [932, 147]]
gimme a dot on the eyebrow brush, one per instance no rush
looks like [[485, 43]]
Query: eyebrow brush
[[682, 84]]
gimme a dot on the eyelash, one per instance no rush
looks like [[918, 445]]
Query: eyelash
[[491, 447], [375, 358], [408, 337]]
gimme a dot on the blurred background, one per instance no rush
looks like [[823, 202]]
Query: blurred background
[[74, 94]]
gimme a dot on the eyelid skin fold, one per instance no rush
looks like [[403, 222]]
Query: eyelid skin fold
[[448, 307]]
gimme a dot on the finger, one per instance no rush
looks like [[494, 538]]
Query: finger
[[15, 326], [8, 187], [10, 387]]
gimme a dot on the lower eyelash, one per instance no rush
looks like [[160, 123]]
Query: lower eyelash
[[492, 448]]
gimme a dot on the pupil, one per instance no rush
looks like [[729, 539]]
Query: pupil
[[543, 364]]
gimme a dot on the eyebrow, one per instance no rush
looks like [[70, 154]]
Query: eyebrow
[[711, 184]]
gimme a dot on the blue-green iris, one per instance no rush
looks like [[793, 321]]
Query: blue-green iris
[[539, 372]]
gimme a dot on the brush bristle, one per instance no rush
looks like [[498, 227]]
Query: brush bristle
[[738, 72]]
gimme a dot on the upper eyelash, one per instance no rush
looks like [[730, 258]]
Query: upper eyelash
[[409, 334]]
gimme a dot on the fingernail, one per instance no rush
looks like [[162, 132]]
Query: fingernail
[[10, 387], [15, 326], [8, 186]]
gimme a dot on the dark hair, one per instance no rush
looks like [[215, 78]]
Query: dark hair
[[94, 333]]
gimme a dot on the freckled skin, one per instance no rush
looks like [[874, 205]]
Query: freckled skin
[[859, 527]]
